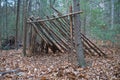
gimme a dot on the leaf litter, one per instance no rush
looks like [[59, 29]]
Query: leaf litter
[[57, 67]]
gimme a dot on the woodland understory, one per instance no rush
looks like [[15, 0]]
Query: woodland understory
[[59, 39], [55, 66]]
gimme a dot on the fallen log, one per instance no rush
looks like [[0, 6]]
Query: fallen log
[[9, 72]]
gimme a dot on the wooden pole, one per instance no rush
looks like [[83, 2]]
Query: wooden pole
[[53, 37], [56, 17], [41, 33], [59, 33], [70, 59], [71, 29], [60, 14], [62, 26], [49, 36]]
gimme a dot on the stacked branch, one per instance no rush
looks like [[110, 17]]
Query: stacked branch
[[55, 33]]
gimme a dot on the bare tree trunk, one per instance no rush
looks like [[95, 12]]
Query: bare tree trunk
[[22, 16], [0, 15], [78, 42], [6, 33], [107, 14], [117, 12], [112, 14], [0, 12], [17, 23], [25, 27], [0, 43], [84, 27], [0, 26], [29, 7], [30, 26], [14, 6]]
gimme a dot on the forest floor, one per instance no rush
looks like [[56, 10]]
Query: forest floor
[[57, 67]]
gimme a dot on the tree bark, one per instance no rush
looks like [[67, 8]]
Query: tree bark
[[25, 27], [107, 14], [14, 6], [0, 15], [116, 12], [84, 24], [29, 7], [0, 18], [30, 26], [17, 23], [71, 37], [112, 14], [78, 42], [6, 33], [0, 26]]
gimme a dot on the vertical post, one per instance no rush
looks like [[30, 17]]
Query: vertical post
[[71, 35], [71, 26]]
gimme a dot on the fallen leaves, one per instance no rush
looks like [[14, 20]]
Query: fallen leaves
[[71, 76], [117, 70], [43, 78], [57, 67]]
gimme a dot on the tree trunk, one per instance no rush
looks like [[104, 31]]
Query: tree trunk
[[0, 26], [30, 26], [84, 22], [6, 33], [23, 2], [116, 12], [0, 18], [78, 42], [107, 12], [0, 15], [14, 6], [25, 27], [112, 14], [17, 24], [29, 7]]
